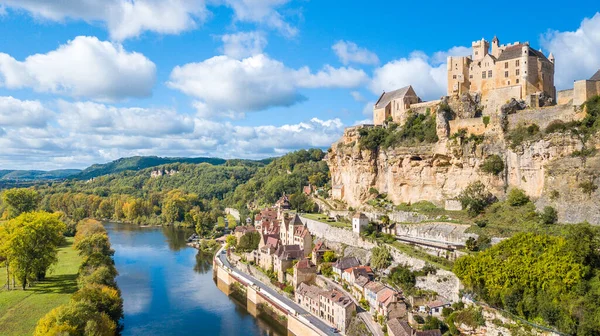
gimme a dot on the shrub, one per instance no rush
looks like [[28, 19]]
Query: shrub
[[486, 120], [517, 197], [522, 134], [104, 299], [556, 126], [326, 269], [554, 195], [471, 244], [493, 164], [475, 198], [549, 215], [588, 187], [373, 191], [481, 223], [329, 256], [584, 152]]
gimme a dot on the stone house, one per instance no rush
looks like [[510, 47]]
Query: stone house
[[397, 327], [294, 232], [336, 309], [309, 297], [283, 203], [359, 222], [434, 308], [384, 297], [351, 274], [242, 230], [394, 105], [284, 258], [358, 287], [508, 71], [266, 252], [371, 290], [304, 272], [344, 263], [337, 191], [318, 251]]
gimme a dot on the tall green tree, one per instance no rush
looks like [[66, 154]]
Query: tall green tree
[[20, 200], [32, 244], [381, 257]]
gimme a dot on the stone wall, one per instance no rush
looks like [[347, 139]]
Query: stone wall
[[446, 232], [584, 90], [498, 97], [544, 116], [421, 108], [445, 283], [564, 97], [472, 126], [334, 234]]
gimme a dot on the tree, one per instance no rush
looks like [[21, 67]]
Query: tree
[[249, 242], [327, 269], [76, 318], [403, 277], [517, 197], [20, 200], [33, 244], [94, 243], [493, 164], [381, 257], [475, 198], [104, 299], [329, 256], [549, 215], [385, 220], [231, 241], [471, 244]]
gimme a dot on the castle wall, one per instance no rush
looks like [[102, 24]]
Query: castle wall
[[564, 97], [544, 116], [379, 116], [498, 97], [472, 125], [421, 108], [584, 90]]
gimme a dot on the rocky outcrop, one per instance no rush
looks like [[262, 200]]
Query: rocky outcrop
[[440, 171]]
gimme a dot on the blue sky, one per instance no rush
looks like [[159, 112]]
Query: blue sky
[[86, 81]]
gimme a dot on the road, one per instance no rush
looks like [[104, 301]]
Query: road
[[326, 329], [373, 327]]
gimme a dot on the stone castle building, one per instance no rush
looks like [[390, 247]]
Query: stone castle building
[[394, 105], [508, 71]]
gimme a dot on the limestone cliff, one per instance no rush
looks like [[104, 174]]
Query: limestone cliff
[[545, 169]]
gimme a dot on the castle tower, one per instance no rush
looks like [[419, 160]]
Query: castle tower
[[551, 58], [480, 49], [496, 47]]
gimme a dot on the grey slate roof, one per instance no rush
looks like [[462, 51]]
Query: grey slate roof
[[387, 97], [596, 76], [346, 262], [289, 252], [516, 51]]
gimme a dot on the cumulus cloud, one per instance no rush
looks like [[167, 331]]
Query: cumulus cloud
[[577, 53], [23, 113], [262, 12], [442, 56], [84, 67], [349, 52], [82, 133], [243, 44], [123, 18], [357, 96], [428, 80], [225, 85]]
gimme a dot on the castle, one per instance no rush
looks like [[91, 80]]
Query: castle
[[491, 78]]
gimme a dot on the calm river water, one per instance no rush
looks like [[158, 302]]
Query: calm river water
[[168, 288]]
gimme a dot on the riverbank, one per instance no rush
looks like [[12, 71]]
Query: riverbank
[[21, 309]]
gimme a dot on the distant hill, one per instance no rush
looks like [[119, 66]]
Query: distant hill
[[36, 175], [137, 163]]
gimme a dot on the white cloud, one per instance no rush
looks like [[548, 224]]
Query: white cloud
[[82, 133], [123, 18], [441, 57], [429, 81], [243, 44], [577, 53], [363, 122], [349, 52], [23, 113], [225, 85], [84, 67], [263, 12], [357, 96], [368, 108]]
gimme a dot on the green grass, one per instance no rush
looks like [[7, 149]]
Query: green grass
[[20, 310], [323, 218]]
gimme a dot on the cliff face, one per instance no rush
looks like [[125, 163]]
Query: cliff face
[[440, 171]]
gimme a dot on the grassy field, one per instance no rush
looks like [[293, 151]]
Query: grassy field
[[20, 310], [323, 218]]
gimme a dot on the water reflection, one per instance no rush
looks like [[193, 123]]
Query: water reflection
[[168, 288]]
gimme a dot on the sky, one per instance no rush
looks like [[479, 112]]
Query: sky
[[90, 81]]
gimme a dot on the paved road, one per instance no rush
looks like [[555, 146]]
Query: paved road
[[326, 329], [373, 327]]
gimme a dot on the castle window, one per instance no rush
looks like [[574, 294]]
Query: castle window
[[471, 76], [454, 77], [505, 73], [517, 62], [483, 75], [489, 73], [506, 65], [517, 81], [476, 53], [517, 72], [508, 82]]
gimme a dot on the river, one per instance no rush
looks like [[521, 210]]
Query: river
[[168, 288]]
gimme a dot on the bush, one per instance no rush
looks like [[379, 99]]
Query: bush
[[329, 256], [326, 269], [517, 197], [481, 223], [475, 198], [493, 164], [549, 215], [588, 187], [523, 133], [554, 195], [486, 120], [104, 299], [556, 126]]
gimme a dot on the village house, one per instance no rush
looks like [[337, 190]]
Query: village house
[[242, 230], [394, 308], [351, 274], [343, 264], [304, 272], [358, 287], [309, 297], [371, 290], [383, 296], [318, 251], [434, 308], [284, 258], [397, 327], [394, 105], [336, 308], [283, 203], [267, 251]]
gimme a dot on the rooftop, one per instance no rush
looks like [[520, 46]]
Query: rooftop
[[311, 291], [399, 328], [289, 252], [337, 298], [305, 264], [374, 287], [346, 262], [596, 76], [387, 97]]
